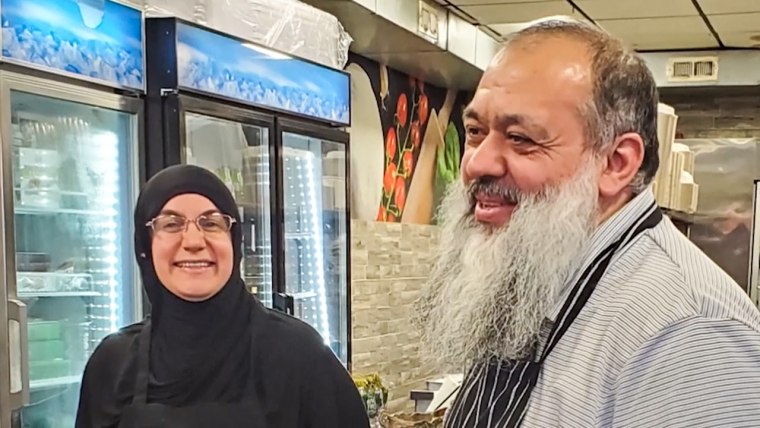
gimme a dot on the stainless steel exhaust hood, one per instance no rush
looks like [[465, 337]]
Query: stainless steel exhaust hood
[[418, 37], [728, 68]]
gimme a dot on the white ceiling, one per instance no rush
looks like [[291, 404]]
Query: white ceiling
[[643, 24]]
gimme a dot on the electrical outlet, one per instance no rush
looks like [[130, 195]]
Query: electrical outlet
[[427, 24]]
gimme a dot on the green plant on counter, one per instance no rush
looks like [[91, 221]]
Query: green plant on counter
[[374, 394]]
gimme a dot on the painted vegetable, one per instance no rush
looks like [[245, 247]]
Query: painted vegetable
[[416, 134], [389, 178], [390, 143], [403, 140], [423, 109], [408, 162], [400, 198], [447, 160], [402, 112]]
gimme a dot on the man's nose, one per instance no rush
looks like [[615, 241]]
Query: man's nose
[[487, 159]]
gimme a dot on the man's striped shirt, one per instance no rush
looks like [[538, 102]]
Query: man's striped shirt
[[667, 339]]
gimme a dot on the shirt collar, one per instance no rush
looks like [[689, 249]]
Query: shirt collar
[[603, 236]]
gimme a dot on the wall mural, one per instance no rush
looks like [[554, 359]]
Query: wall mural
[[406, 143]]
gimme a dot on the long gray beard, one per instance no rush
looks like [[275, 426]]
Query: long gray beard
[[490, 291]]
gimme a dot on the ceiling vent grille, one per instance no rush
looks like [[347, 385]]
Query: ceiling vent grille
[[701, 69]]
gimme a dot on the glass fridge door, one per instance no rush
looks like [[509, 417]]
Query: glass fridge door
[[239, 154], [73, 182], [316, 225]]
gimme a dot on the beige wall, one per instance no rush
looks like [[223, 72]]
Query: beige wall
[[390, 263]]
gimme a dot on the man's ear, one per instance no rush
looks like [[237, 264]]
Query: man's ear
[[623, 160]]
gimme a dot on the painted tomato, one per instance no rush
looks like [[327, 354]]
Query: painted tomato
[[400, 199], [423, 109], [391, 218], [408, 162], [381, 213], [416, 134], [402, 110], [390, 143], [389, 177]]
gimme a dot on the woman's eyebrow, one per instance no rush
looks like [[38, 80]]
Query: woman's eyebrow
[[170, 212], [178, 214]]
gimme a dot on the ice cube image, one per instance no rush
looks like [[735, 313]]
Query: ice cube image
[[97, 39], [92, 11], [219, 65]]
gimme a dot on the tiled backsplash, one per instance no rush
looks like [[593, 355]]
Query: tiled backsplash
[[390, 263]]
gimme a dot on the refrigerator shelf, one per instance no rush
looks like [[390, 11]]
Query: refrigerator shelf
[[305, 295], [299, 235], [56, 211], [33, 294], [52, 190], [54, 382], [53, 282]]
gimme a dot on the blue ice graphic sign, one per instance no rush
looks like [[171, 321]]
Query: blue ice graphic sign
[[99, 40], [221, 65]]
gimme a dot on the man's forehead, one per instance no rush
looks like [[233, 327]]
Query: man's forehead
[[544, 56], [557, 68]]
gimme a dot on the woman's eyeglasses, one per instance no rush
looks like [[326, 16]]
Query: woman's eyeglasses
[[211, 223]]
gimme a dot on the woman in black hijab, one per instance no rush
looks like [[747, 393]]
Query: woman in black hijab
[[209, 354]]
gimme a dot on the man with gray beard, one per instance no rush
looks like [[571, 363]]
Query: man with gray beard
[[560, 289]]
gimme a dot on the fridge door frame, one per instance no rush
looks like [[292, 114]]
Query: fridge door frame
[[334, 135], [753, 282], [175, 154], [58, 88]]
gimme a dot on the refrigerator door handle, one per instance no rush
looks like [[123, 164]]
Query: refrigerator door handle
[[18, 341], [284, 302]]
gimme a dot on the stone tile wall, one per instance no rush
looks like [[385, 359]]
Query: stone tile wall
[[390, 263], [711, 114]]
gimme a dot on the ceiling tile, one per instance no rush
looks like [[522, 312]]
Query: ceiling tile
[[606, 9], [517, 12], [736, 22], [740, 39], [656, 42], [625, 27], [488, 2], [713, 7], [661, 33], [506, 29]]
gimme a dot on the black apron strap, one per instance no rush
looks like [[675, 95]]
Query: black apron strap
[[473, 408], [143, 365], [586, 285]]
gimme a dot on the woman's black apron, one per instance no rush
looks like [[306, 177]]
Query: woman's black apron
[[514, 381], [141, 414]]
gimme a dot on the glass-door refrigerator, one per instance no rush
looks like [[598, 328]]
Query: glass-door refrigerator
[[70, 115], [269, 125]]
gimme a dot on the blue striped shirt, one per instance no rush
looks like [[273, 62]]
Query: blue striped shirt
[[667, 339]]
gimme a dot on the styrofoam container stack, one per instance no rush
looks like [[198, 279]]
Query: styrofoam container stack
[[666, 133], [683, 189]]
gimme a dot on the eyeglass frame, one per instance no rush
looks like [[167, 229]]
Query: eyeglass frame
[[152, 222]]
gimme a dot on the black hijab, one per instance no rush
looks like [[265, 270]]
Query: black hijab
[[199, 351]]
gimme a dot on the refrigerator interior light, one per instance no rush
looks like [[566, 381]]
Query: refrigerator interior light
[[316, 227], [107, 142]]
